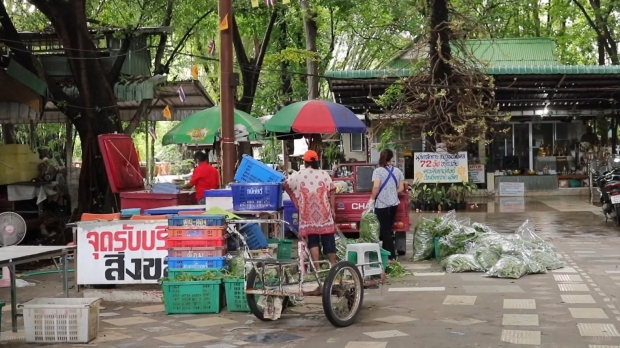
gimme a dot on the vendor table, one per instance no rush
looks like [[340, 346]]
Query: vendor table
[[14, 255], [532, 182]]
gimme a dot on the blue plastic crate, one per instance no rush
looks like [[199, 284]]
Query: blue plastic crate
[[257, 196], [253, 236], [291, 215], [252, 171], [197, 220], [196, 262], [218, 193]]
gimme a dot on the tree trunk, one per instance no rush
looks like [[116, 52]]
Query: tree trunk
[[315, 142], [94, 111]]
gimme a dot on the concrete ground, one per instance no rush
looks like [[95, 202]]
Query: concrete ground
[[576, 306]]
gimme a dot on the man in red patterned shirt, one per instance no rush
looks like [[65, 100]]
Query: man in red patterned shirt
[[313, 193]]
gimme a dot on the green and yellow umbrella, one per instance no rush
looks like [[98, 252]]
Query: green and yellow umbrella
[[203, 127]]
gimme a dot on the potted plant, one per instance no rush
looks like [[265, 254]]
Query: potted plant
[[440, 197]]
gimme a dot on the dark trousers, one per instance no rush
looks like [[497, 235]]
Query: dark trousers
[[386, 218]]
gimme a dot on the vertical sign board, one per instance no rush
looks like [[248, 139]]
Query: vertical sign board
[[511, 189], [477, 174], [432, 167], [121, 252]]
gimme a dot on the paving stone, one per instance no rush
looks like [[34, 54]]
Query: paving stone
[[157, 329], [186, 338], [418, 266], [107, 314], [519, 303], [129, 321], [573, 287], [460, 300], [468, 321], [396, 319], [567, 278], [206, 322], [577, 299], [520, 320], [428, 274], [107, 336], [475, 278], [521, 337], [612, 272], [584, 251], [358, 344], [385, 334], [565, 270], [596, 329], [602, 346], [149, 309], [482, 289], [220, 345], [435, 288], [588, 313]]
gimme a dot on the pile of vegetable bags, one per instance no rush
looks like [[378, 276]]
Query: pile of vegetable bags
[[477, 248]]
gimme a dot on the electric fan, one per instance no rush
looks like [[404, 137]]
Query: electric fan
[[12, 232]]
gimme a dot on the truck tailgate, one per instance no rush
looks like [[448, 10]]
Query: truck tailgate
[[350, 206]]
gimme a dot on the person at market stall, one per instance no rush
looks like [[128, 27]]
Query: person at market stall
[[313, 193], [388, 182], [205, 177]]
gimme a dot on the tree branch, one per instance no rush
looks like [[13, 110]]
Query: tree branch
[[163, 38], [242, 56], [263, 47], [184, 38]]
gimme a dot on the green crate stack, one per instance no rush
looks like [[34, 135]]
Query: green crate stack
[[236, 300], [195, 296]]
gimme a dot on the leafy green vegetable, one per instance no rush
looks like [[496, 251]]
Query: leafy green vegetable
[[508, 266], [460, 263], [395, 269], [423, 239], [369, 227]]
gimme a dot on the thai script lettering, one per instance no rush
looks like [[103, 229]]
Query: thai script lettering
[[138, 269], [127, 239]]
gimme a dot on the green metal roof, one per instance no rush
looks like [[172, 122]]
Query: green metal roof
[[23, 75], [492, 52], [499, 70]]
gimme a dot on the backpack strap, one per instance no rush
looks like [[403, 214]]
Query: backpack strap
[[390, 175]]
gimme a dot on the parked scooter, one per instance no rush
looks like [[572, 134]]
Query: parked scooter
[[608, 184]]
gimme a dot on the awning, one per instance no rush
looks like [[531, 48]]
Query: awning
[[129, 95]]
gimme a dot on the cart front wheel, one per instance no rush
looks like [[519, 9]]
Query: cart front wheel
[[343, 294], [253, 282]]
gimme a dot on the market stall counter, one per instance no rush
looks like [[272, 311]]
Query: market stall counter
[[123, 169]]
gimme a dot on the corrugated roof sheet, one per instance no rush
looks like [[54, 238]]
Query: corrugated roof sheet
[[498, 70]]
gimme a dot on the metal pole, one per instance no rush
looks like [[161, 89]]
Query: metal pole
[[227, 102]]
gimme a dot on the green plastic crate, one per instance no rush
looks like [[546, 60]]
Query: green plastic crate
[[285, 247], [436, 245], [193, 297], [236, 300], [385, 255], [194, 272]]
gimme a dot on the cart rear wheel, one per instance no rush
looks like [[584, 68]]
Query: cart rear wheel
[[253, 299], [343, 294]]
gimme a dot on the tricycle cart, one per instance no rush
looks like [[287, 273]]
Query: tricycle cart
[[341, 286]]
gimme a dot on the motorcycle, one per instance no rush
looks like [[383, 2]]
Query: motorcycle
[[608, 184]]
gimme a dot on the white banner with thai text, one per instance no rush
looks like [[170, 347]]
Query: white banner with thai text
[[434, 167], [121, 252]]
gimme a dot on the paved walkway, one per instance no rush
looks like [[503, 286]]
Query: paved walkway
[[572, 307]]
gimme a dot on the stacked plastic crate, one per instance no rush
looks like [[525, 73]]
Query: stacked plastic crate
[[196, 247]]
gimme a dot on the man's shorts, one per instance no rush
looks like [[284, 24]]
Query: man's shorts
[[328, 241]]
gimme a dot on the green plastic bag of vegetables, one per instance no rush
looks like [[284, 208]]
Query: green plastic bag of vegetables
[[369, 226], [461, 263], [423, 244], [508, 266]]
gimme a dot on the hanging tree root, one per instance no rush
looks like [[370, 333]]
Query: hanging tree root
[[448, 98]]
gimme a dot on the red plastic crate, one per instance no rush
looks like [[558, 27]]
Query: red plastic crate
[[181, 242], [197, 252], [196, 232]]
